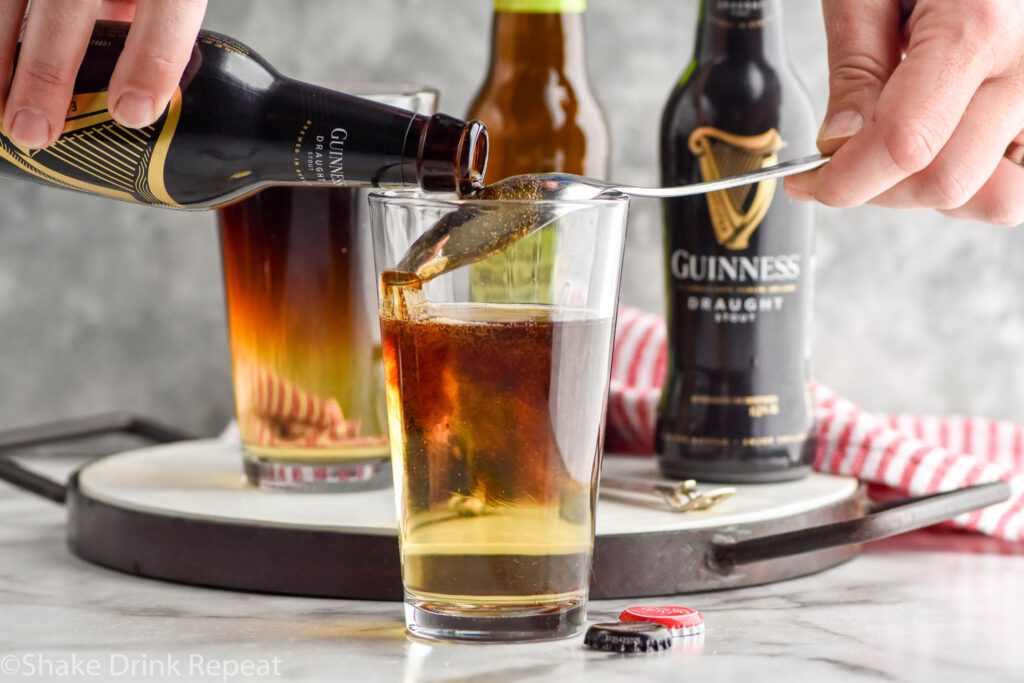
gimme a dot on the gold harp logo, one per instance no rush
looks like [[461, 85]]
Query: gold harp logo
[[95, 154], [736, 213]]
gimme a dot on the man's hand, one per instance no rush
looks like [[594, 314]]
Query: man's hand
[[56, 33], [939, 128]]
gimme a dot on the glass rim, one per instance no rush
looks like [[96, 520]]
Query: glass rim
[[418, 197]]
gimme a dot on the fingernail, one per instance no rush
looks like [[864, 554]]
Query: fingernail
[[135, 109], [29, 129], [842, 125]]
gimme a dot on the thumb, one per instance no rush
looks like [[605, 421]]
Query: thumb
[[864, 48]]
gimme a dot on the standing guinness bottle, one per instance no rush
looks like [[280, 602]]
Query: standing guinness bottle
[[233, 125], [541, 115], [736, 404]]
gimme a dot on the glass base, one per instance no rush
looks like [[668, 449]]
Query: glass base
[[318, 476], [502, 623]]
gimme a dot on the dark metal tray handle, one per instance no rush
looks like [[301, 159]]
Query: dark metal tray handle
[[69, 430], [890, 519]]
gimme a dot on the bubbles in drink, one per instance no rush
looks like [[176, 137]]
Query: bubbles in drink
[[491, 411]]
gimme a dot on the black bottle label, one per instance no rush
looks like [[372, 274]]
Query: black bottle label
[[738, 264], [736, 213], [319, 154], [732, 284], [97, 155]]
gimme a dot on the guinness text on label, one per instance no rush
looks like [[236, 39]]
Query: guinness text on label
[[703, 268], [336, 156]]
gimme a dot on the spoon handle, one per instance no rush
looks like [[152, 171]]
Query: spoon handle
[[756, 176]]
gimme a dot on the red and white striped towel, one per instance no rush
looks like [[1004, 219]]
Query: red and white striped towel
[[911, 454]]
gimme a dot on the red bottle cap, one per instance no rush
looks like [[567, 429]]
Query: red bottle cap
[[682, 621]]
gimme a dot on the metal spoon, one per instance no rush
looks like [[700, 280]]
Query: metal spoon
[[570, 187], [476, 231]]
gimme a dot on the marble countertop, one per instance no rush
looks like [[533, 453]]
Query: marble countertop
[[899, 612]]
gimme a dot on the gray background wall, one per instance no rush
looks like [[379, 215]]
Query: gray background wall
[[105, 305]]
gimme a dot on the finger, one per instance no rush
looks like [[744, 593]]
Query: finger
[[1000, 201], [12, 13], [864, 40], [917, 111], [972, 154], [158, 47], [54, 42], [117, 10], [863, 51]]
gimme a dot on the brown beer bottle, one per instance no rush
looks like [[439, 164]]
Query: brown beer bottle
[[541, 116], [234, 125], [736, 403]]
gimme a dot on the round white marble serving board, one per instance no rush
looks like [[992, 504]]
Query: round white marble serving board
[[203, 480]]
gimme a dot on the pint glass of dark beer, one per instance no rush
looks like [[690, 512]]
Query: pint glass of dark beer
[[302, 322], [496, 388]]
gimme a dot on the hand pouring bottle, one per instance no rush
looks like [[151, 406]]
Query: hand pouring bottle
[[234, 125]]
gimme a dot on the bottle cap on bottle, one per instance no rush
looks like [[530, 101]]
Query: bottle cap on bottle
[[681, 621], [617, 636]]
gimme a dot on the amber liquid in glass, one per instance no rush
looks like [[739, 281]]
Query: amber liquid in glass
[[487, 406], [303, 325]]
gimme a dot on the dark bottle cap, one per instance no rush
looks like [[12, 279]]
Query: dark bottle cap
[[636, 636]]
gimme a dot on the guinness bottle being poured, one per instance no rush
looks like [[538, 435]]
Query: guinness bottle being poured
[[738, 263], [233, 125]]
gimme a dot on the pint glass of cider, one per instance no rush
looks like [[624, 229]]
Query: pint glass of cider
[[496, 385], [302, 322]]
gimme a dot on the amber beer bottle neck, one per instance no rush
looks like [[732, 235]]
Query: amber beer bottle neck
[[740, 29], [541, 41]]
